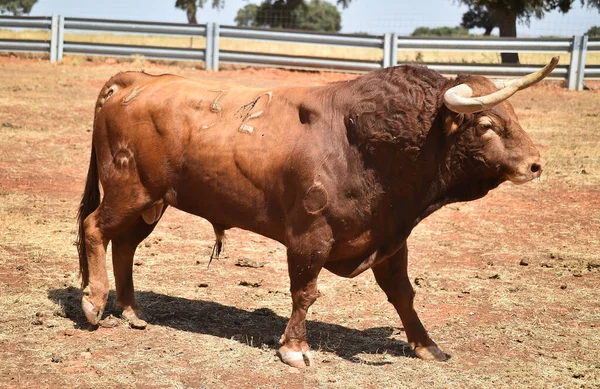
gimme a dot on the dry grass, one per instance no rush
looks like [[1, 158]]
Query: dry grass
[[505, 325], [325, 51]]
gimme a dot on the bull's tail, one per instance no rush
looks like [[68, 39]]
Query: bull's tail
[[89, 202]]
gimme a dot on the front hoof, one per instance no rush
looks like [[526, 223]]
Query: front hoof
[[135, 319], [430, 353], [297, 359], [91, 313]]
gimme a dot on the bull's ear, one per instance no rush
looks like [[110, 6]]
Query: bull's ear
[[453, 121]]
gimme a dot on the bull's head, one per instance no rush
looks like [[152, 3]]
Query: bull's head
[[479, 108]]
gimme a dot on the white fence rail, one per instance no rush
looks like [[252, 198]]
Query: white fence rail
[[212, 55]]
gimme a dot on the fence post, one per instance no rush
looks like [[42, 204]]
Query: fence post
[[574, 63], [215, 49], [208, 54], [61, 38], [394, 57], [387, 42], [581, 67], [53, 38]]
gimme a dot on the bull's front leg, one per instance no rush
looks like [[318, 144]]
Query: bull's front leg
[[305, 262], [392, 277]]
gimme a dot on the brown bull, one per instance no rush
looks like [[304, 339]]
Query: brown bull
[[340, 174]]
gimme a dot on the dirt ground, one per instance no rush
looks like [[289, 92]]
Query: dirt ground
[[508, 285]]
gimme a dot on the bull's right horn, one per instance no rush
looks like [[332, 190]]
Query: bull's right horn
[[458, 98]]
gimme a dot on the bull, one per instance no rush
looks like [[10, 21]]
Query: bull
[[340, 174]]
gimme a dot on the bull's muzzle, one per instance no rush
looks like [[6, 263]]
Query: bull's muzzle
[[527, 170]]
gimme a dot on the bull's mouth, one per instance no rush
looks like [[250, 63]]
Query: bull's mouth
[[520, 179]]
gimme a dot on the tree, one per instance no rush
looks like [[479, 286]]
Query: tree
[[317, 15], [246, 17], [507, 12], [593, 32], [16, 7], [479, 17], [191, 6], [440, 31]]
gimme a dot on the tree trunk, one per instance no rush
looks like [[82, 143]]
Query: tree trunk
[[507, 22], [191, 13]]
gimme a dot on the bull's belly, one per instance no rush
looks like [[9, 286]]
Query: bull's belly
[[222, 204]]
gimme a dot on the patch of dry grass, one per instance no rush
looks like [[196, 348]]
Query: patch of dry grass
[[505, 324]]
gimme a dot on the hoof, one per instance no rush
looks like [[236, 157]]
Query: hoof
[[298, 359], [430, 353], [91, 313], [134, 319]]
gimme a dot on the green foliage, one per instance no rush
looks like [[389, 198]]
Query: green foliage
[[191, 6], [317, 15], [525, 9], [479, 17], [16, 7], [440, 31], [593, 32], [505, 13], [246, 17]]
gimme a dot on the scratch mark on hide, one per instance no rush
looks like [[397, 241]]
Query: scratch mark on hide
[[134, 93], [246, 128], [215, 108], [249, 116]]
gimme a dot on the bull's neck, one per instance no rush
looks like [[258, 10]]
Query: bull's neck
[[436, 172]]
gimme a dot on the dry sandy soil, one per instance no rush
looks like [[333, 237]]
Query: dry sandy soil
[[509, 285]]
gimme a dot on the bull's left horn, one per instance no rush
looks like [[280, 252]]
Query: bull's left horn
[[458, 98]]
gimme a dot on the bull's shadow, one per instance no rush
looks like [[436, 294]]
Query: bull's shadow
[[258, 328]]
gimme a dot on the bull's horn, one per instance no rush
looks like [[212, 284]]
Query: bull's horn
[[458, 98]]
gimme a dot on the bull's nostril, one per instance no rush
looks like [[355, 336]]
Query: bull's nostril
[[536, 167]]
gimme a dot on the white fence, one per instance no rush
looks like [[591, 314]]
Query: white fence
[[212, 55]]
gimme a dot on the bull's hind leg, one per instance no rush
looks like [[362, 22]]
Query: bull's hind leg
[[95, 291], [123, 251], [122, 205], [392, 277]]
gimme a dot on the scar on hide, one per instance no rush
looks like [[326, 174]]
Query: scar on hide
[[315, 199], [215, 108], [134, 93], [123, 158], [109, 92], [245, 112]]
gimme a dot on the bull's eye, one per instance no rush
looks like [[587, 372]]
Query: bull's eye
[[486, 129]]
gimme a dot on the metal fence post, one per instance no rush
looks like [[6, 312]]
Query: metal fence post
[[53, 38], [215, 49], [394, 57], [581, 67], [574, 63], [208, 53], [387, 42], [60, 43]]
